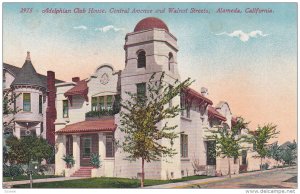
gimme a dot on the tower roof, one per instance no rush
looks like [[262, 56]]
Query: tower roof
[[28, 75], [150, 23]]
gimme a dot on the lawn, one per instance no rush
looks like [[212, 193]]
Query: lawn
[[25, 177], [105, 182]]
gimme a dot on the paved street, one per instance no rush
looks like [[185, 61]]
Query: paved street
[[285, 179]]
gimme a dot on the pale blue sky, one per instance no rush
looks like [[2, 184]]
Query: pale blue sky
[[262, 70]]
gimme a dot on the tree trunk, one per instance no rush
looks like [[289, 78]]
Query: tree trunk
[[143, 173], [229, 170], [260, 164]]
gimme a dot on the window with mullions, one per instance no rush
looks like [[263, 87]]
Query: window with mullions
[[211, 153], [87, 146], [184, 145], [109, 102], [26, 102], [141, 59], [109, 145], [65, 109], [141, 90], [101, 103], [94, 103]]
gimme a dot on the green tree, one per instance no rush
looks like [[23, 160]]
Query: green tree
[[25, 149], [228, 142], [289, 153], [140, 118], [275, 152], [260, 139], [9, 108]]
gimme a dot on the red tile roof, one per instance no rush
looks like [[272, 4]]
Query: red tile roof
[[150, 23], [212, 112], [90, 126], [80, 89], [197, 95]]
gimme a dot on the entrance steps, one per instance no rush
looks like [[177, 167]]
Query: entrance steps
[[84, 171]]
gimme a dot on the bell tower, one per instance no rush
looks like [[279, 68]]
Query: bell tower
[[150, 48]]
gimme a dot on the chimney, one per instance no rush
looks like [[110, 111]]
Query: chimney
[[204, 91], [51, 110], [75, 79]]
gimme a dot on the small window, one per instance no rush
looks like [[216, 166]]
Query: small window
[[141, 59], [40, 104], [182, 103], [141, 90], [188, 111], [65, 109], [87, 146], [184, 145], [170, 61], [94, 103], [109, 146], [26, 102], [211, 153], [69, 147], [244, 157]]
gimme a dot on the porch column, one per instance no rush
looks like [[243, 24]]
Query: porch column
[[60, 148], [76, 151], [102, 151], [38, 130]]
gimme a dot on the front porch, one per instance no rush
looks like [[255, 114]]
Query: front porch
[[81, 140]]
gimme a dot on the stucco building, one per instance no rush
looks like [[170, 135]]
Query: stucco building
[[87, 113]]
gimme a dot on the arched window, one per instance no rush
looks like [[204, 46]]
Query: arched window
[[171, 60], [142, 59]]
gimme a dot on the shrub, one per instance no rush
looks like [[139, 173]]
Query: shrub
[[13, 170], [69, 160], [95, 160], [265, 166]]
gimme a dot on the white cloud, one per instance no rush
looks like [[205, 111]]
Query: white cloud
[[82, 27], [244, 36], [108, 28]]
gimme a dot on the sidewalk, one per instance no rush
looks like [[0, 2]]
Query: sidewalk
[[208, 180], [11, 183]]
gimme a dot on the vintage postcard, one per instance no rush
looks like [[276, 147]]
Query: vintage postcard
[[150, 95]]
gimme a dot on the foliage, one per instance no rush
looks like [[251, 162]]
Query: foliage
[[12, 170], [69, 159], [289, 153], [265, 166], [275, 152], [260, 139], [99, 113], [140, 118], [95, 160], [228, 142], [25, 149], [5, 154], [8, 108]]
